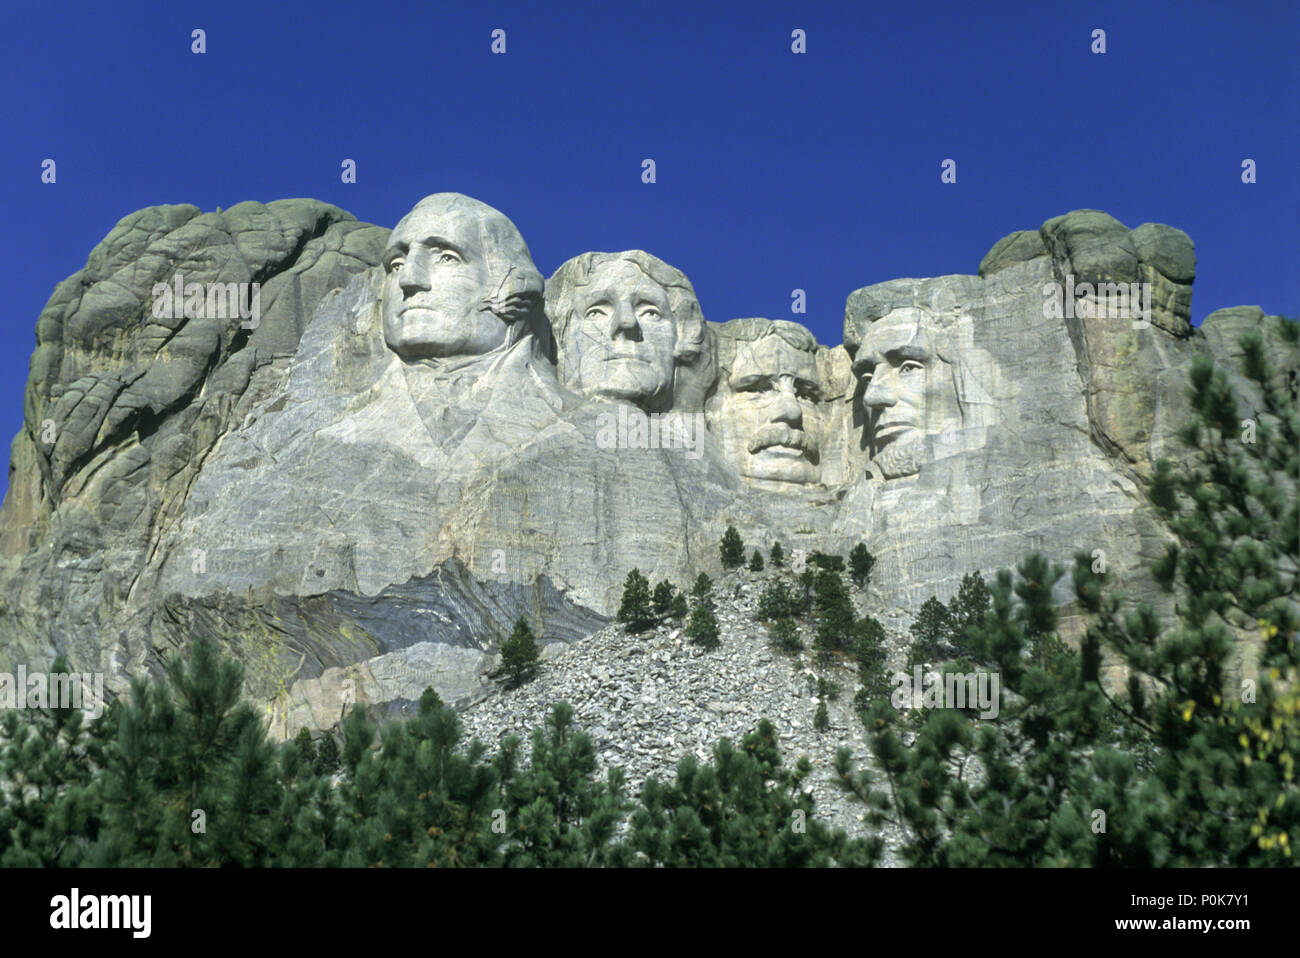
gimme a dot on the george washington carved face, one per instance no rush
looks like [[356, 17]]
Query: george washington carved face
[[458, 280]]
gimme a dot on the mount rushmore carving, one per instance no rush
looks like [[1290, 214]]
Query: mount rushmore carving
[[423, 439]]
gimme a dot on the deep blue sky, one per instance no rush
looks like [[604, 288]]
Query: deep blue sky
[[775, 170]]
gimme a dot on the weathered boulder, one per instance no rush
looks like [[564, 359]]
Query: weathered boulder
[[128, 394]]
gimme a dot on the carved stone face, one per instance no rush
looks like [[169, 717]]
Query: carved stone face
[[445, 266], [621, 337], [909, 390], [771, 421]]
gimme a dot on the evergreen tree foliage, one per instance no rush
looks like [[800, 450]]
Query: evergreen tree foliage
[[635, 610], [869, 653], [775, 602], [327, 755], [192, 779], [732, 549], [559, 815], [662, 600], [965, 613], [743, 810], [804, 600], [930, 633], [823, 561], [777, 555], [835, 615], [702, 590], [519, 657], [861, 562], [756, 562], [678, 611], [409, 794], [49, 809], [305, 748], [821, 717], [785, 636], [703, 627]]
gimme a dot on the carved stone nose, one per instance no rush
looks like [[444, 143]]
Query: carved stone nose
[[787, 408], [411, 278], [623, 324], [878, 393]]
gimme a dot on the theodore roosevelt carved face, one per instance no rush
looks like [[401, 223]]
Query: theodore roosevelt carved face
[[771, 418]]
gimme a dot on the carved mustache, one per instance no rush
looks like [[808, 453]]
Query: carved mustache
[[779, 434]]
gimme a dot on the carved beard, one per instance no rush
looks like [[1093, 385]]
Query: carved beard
[[901, 458]]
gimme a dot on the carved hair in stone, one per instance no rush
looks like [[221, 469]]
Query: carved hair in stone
[[458, 282], [628, 327], [916, 385], [768, 413]]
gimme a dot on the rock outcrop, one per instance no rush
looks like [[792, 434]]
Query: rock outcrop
[[380, 448]]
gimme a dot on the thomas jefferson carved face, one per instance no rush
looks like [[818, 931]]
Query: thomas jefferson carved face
[[456, 276], [909, 389], [623, 334], [771, 419]]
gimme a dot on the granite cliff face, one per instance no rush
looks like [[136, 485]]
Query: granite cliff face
[[361, 478]]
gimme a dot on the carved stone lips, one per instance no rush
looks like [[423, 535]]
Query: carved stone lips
[[406, 308], [886, 431], [617, 357]]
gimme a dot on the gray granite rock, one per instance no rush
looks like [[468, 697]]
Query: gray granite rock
[[418, 441]]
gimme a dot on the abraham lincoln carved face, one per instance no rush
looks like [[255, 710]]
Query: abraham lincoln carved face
[[910, 381]]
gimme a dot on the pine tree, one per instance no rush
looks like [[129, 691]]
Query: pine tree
[[743, 809], [821, 717], [679, 609], [929, 633], [732, 549], [775, 602], [869, 652], [634, 611], [861, 562], [49, 796], [756, 562], [327, 755], [804, 601], [187, 752], [824, 561], [304, 747], [519, 657], [965, 613], [703, 627], [777, 555], [835, 614], [702, 590], [785, 636], [662, 600], [562, 816]]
